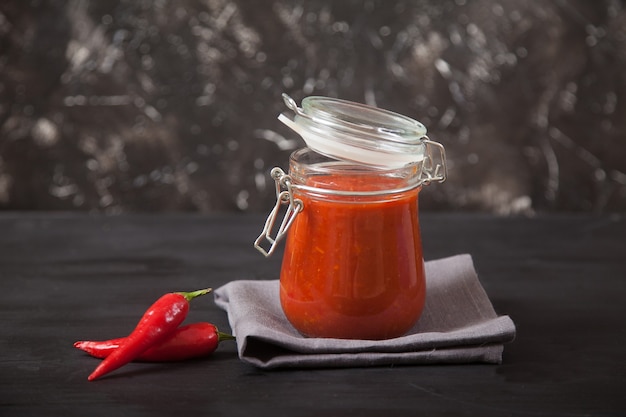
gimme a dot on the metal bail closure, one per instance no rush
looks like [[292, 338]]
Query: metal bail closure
[[284, 196], [433, 170]]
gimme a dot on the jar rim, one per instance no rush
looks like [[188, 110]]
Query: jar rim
[[301, 170]]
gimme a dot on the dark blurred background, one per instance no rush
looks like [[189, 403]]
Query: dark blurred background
[[126, 106]]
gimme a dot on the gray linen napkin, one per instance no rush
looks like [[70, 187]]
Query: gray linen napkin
[[458, 325]]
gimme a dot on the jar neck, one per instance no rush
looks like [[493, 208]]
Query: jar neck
[[313, 172]]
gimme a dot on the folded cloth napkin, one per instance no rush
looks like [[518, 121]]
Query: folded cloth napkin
[[458, 325]]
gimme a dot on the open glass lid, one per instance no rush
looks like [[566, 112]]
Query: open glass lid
[[356, 132]]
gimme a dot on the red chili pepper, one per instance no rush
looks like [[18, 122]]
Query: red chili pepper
[[191, 341], [157, 324]]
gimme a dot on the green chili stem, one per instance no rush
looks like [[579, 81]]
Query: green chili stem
[[193, 294], [225, 336]]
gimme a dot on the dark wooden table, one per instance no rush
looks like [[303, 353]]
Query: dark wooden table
[[65, 277]]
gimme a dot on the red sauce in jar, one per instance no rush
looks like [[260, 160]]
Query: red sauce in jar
[[353, 265]]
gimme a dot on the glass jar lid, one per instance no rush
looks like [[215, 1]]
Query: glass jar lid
[[356, 132]]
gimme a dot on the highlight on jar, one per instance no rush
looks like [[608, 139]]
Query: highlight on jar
[[347, 209]]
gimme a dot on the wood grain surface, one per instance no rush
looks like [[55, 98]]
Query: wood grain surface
[[65, 277]]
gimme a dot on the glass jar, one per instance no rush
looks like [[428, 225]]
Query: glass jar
[[353, 266]]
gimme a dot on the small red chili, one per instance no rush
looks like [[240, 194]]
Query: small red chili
[[158, 323], [195, 340]]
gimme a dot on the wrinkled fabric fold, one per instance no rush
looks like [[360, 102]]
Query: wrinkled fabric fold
[[458, 325]]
